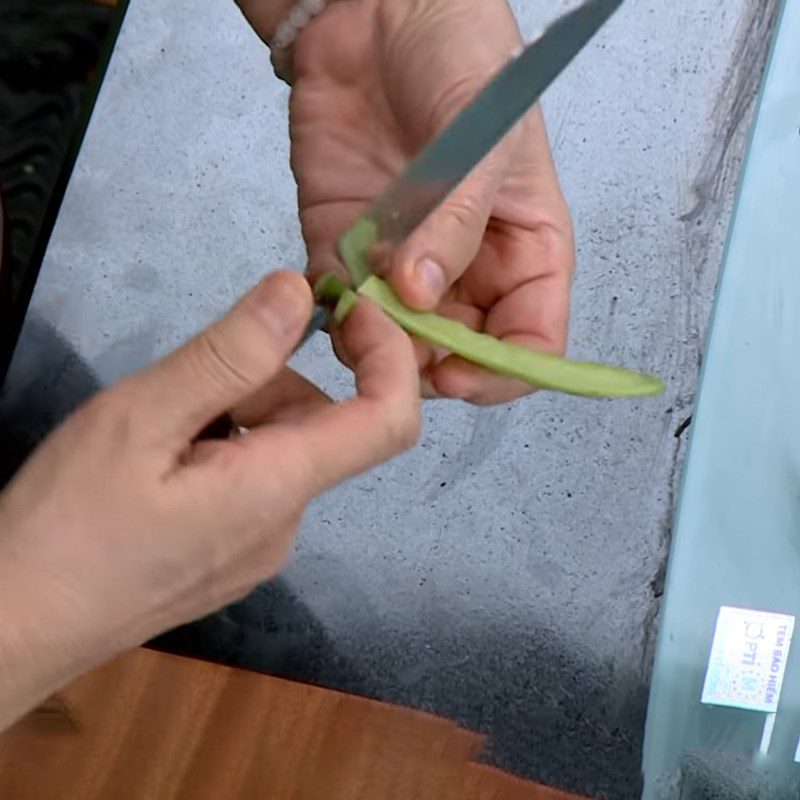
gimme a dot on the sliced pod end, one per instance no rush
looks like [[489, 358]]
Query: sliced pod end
[[329, 288], [355, 246], [344, 306]]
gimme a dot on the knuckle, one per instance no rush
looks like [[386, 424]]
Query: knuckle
[[402, 426], [465, 213], [100, 406], [454, 97], [559, 336], [302, 478], [484, 401], [215, 362], [556, 248], [108, 416]]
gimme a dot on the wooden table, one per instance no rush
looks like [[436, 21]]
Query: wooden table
[[150, 725]]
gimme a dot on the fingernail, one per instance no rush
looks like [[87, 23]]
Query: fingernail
[[285, 303], [430, 279]]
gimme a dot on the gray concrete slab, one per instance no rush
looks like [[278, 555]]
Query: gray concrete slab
[[507, 572]]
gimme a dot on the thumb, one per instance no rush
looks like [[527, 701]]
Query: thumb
[[443, 54], [228, 362], [435, 256]]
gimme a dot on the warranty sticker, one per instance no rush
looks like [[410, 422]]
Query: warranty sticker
[[748, 659]]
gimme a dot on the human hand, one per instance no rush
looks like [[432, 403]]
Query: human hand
[[374, 81], [123, 525]]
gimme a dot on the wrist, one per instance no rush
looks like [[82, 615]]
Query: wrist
[[279, 24], [27, 672], [265, 15], [39, 651]]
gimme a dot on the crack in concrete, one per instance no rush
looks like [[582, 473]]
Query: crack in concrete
[[735, 102]]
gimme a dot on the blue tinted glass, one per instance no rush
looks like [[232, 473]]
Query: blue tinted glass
[[724, 717]]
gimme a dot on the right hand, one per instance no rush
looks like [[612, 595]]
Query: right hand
[[376, 80], [122, 525]]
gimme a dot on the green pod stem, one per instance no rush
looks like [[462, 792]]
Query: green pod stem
[[542, 370], [354, 247], [538, 369]]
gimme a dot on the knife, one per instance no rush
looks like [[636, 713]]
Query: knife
[[441, 166], [431, 177]]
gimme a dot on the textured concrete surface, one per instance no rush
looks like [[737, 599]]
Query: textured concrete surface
[[507, 572]]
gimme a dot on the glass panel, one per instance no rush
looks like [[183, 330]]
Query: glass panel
[[724, 717]]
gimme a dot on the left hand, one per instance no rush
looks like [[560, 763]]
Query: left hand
[[375, 80], [123, 524]]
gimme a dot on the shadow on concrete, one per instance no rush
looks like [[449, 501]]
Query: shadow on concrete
[[45, 383], [549, 712]]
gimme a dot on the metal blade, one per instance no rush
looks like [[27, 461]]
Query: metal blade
[[319, 319], [443, 164]]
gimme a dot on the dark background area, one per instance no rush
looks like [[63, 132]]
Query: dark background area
[[52, 55]]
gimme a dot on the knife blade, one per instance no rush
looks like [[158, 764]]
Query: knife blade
[[224, 427], [320, 317], [431, 177]]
